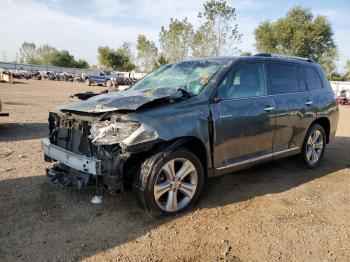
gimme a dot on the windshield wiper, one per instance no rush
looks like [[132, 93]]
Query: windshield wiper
[[185, 92]]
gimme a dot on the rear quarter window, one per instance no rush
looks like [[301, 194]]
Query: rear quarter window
[[312, 78]]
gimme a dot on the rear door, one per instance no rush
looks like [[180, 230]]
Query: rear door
[[294, 108], [321, 96], [243, 116]]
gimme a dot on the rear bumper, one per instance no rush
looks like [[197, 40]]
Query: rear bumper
[[78, 162]]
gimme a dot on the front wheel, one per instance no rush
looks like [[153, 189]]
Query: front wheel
[[314, 146], [170, 184]]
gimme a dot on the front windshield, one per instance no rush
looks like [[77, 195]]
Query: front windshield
[[189, 75]]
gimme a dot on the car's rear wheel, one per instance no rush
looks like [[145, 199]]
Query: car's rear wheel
[[170, 184], [87, 82], [314, 146]]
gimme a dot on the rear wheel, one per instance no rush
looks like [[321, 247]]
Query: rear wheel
[[314, 146], [171, 184], [87, 82]]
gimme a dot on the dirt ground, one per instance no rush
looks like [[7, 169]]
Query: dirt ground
[[274, 212]]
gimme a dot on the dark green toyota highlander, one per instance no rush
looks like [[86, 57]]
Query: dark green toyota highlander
[[192, 120]]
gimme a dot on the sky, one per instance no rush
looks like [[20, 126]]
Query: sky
[[81, 26]]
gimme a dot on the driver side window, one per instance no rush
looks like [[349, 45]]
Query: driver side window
[[244, 80]]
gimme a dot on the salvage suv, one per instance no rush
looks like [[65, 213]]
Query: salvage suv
[[192, 120]]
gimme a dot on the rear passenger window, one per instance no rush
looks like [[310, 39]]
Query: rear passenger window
[[312, 78], [283, 78]]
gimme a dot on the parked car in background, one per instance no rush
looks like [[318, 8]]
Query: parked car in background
[[106, 78], [343, 99], [191, 120]]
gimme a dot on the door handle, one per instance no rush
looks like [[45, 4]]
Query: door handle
[[309, 103], [269, 109]]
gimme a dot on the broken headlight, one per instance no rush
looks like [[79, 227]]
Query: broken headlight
[[109, 133]]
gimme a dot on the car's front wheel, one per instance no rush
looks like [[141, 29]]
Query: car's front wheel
[[314, 146], [169, 184]]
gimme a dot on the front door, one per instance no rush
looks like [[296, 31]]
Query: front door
[[243, 117]]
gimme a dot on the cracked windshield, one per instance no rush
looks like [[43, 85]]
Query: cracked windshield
[[190, 75]]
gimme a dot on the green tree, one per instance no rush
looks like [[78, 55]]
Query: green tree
[[81, 63], [159, 61], [46, 54], [62, 58], [327, 61], [218, 32], [28, 53], [176, 40], [105, 56], [146, 53], [347, 67], [298, 34], [126, 47], [117, 59], [126, 51], [49, 55]]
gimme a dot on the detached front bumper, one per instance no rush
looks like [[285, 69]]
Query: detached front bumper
[[78, 162]]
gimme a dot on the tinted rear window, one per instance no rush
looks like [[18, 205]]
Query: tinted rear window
[[283, 78], [312, 78]]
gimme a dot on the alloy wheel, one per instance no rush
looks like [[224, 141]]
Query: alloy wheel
[[314, 146], [175, 185]]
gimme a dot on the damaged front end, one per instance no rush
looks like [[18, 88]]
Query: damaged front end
[[88, 149], [105, 138]]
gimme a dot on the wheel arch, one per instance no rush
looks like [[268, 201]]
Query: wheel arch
[[194, 144], [325, 123]]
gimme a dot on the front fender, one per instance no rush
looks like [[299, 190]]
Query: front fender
[[172, 121]]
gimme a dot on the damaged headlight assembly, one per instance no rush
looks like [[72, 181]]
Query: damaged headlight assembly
[[109, 133]]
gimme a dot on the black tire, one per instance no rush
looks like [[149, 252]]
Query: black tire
[[108, 84], [305, 155], [150, 171], [87, 82]]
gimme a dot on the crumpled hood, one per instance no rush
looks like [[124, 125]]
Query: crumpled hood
[[120, 100]]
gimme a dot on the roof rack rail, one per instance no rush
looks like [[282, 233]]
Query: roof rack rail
[[285, 56]]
